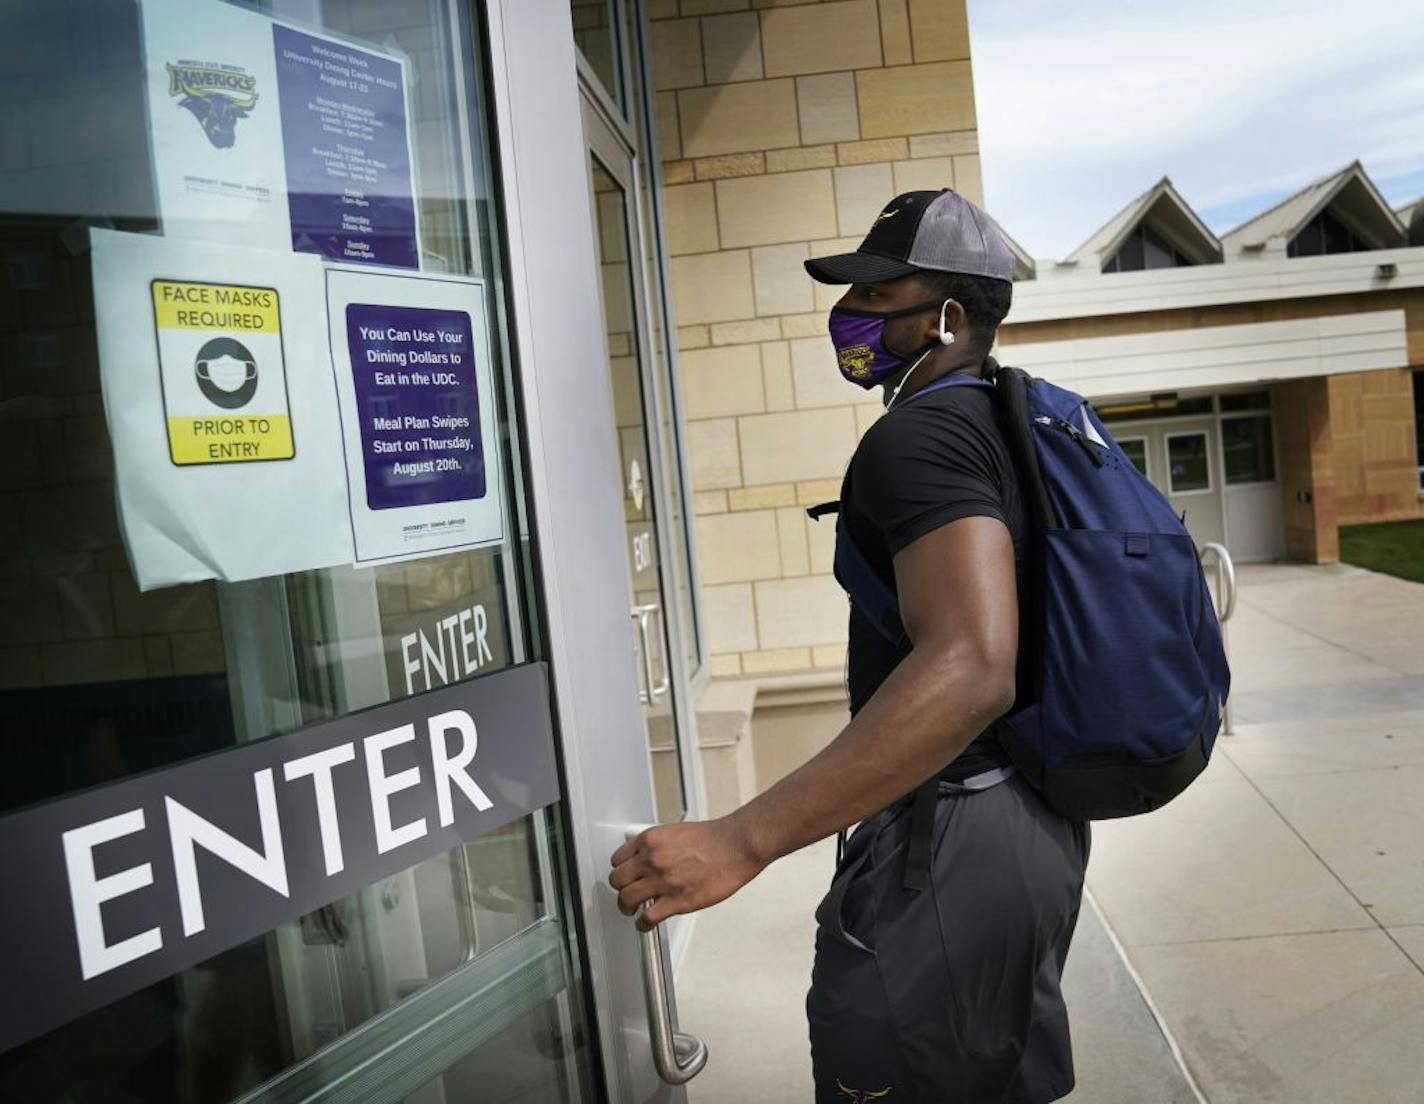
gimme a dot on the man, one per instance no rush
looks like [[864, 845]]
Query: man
[[942, 988]]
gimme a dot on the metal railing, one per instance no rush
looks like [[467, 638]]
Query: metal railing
[[1224, 601]]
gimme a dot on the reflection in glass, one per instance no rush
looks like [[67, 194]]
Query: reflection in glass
[[1248, 449], [1187, 466], [595, 36], [100, 681], [1144, 248], [673, 457], [635, 477], [1245, 400], [1136, 449]]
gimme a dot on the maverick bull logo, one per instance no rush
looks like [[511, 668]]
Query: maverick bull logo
[[217, 95], [861, 1096], [856, 359]]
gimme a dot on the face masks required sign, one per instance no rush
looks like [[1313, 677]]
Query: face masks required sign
[[270, 414], [270, 135], [228, 339]]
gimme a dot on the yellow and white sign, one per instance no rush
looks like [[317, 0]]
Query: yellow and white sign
[[224, 373], [218, 392]]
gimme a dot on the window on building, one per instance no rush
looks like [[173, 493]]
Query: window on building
[[1145, 248], [1238, 401], [1325, 234], [1187, 466], [1248, 449], [1154, 406], [1136, 449]]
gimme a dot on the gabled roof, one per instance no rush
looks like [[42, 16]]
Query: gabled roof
[[1025, 268], [1412, 215], [1164, 209], [1349, 193]]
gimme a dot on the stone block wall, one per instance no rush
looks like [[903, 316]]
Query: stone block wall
[[784, 128], [1307, 471], [1372, 435]]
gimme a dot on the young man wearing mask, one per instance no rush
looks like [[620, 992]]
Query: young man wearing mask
[[941, 943]]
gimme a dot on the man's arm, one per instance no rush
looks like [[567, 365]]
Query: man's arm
[[959, 604]]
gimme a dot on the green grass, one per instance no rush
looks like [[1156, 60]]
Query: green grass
[[1393, 547]]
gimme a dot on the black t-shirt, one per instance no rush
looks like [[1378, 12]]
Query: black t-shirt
[[934, 460]]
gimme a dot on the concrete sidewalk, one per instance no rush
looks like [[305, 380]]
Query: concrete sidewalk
[[1275, 912]]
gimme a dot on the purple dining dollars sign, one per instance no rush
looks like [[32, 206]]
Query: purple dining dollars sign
[[417, 404], [344, 138]]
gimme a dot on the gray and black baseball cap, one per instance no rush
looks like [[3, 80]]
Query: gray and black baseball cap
[[939, 231]]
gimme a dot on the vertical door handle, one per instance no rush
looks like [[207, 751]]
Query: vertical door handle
[[677, 1056], [652, 690]]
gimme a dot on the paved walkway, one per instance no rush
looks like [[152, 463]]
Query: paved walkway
[[1275, 912]]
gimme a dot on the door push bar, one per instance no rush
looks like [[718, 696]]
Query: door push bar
[[651, 691], [678, 1057], [1225, 603]]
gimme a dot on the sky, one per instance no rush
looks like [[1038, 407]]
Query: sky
[[1084, 105]]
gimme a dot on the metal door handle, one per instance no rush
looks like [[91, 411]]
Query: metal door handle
[[652, 690], [677, 1056]]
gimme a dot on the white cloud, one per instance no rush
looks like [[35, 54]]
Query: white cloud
[[1082, 106]]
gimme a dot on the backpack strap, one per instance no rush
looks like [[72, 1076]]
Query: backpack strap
[[1011, 390], [867, 589], [862, 582], [954, 379], [1011, 393], [853, 571]]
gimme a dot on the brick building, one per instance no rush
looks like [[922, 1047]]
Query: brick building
[[1263, 380]]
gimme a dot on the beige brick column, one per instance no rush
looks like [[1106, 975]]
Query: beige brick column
[[1307, 470], [785, 127]]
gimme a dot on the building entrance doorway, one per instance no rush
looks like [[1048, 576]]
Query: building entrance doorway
[[1180, 456]]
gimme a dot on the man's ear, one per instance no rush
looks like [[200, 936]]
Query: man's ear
[[955, 322]]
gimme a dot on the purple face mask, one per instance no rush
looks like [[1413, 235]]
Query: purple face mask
[[859, 338]]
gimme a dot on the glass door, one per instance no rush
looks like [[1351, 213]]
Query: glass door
[[459, 976], [1193, 476], [1180, 455], [644, 475]]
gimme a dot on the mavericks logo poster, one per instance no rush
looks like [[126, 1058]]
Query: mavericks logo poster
[[216, 94], [273, 136]]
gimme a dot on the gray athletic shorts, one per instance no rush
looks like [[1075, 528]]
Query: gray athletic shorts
[[950, 995]]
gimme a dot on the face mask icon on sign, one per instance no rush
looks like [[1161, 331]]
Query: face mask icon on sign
[[226, 373]]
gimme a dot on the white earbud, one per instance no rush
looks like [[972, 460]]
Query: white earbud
[[946, 337]]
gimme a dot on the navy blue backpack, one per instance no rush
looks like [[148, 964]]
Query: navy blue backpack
[[1130, 672]]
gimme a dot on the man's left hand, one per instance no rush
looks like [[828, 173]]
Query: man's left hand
[[681, 868]]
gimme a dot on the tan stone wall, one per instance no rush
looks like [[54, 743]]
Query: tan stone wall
[[1372, 441], [784, 128], [1307, 470]]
